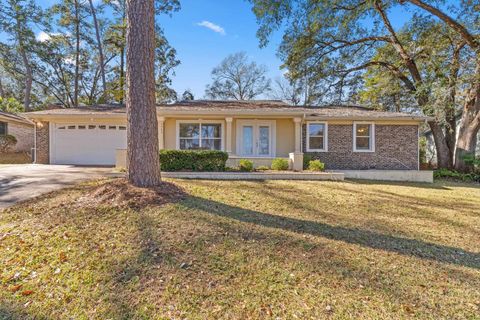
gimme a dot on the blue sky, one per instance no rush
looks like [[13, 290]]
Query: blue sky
[[205, 31], [201, 48]]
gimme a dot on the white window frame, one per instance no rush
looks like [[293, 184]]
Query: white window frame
[[200, 122], [372, 136], [325, 137]]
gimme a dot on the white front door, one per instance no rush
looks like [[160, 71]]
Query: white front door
[[255, 138]]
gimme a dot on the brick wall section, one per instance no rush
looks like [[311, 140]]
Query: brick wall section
[[43, 144], [24, 135], [396, 148]]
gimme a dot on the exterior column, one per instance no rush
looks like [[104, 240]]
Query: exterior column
[[228, 135], [298, 135], [161, 139]]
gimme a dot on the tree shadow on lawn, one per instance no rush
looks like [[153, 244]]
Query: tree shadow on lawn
[[439, 184], [370, 239]]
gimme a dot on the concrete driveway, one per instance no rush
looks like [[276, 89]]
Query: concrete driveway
[[24, 181]]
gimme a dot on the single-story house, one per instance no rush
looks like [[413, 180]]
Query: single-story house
[[19, 127], [343, 137]]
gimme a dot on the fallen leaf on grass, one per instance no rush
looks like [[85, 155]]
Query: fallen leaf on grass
[[27, 292], [15, 288], [63, 257]]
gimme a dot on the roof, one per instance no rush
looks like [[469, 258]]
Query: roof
[[237, 108], [14, 117]]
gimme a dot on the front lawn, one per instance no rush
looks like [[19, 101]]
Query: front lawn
[[243, 250]]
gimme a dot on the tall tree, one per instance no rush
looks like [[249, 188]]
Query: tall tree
[[332, 40], [101, 57], [287, 90], [470, 121], [17, 18], [142, 150], [237, 78]]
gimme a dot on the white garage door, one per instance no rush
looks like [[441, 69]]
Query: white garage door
[[87, 144]]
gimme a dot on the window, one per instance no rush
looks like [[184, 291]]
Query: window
[[102, 127], [3, 128], [82, 127], [91, 127], [199, 136], [71, 127], [112, 127], [317, 136], [122, 128], [363, 137]]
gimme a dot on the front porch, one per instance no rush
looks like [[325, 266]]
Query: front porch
[[260, 140]]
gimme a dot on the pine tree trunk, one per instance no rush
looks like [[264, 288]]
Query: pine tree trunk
[[142, 153], [2, 93], [100, 48], [28, 69], [77, 54]]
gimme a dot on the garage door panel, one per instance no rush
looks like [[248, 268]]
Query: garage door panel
[[88, 144]]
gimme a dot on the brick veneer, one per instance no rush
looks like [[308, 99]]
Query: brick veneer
[[43, 144], [396, 148], [24, 135]]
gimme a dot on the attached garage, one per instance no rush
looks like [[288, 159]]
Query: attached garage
[[86, 143]]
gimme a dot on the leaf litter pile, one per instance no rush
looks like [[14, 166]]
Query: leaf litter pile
[[121, 194]]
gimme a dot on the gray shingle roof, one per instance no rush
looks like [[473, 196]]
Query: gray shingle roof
[[15, 117], [242, 107]]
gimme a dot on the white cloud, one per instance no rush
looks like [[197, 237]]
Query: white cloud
[[212, 26], [43, 36]]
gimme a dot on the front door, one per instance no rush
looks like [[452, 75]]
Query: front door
[[255, 139]]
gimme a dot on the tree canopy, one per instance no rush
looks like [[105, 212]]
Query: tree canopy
[[237, 78]]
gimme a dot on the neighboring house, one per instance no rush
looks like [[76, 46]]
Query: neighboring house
[[19, 127], [342, 137]]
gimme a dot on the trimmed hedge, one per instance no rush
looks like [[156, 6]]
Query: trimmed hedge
[[280, 164], [187, 160], [245, 165], [316, 165]]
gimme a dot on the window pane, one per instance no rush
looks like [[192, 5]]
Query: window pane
[[189, 130], [316, 143], [363, 130], [3, 128], [363, 143], [316, 129], [189, 144], [211, 131], [211, 144], [247, 140], [264, 141]]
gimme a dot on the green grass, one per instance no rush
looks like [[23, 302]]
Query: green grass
[[248, 250]]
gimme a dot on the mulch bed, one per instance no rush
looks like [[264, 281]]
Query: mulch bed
[[120, 193]]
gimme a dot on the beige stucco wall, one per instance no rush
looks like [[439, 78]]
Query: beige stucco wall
[[284, 133]]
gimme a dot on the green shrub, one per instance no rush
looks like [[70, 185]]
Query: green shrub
[[262, 168], [455, 175], [280, 164], [470, 159], [187, 160], [316, 165], [7, 142], [245, 165], [306, 161]]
